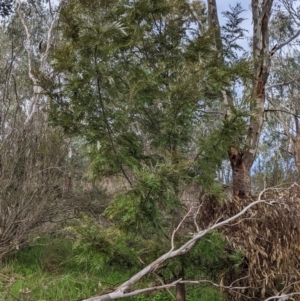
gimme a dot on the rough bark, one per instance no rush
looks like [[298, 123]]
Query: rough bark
[[262, 58], [213, 23], [242, 161], [240, 173]]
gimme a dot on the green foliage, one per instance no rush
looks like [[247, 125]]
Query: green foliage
[[126, 96], [144, 208], [210, 250], [237, 258], [213, 150], [95, 247], [92, 246], [232, 30], [205, 293], [136, 75], [72, 279]]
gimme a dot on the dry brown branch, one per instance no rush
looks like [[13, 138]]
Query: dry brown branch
[[268, 237]]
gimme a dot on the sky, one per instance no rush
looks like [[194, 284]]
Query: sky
[[223, 5]]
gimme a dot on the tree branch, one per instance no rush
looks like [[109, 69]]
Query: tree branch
[[230, 287], [285, 43], [280, 84], [282, 297], [283, 111]]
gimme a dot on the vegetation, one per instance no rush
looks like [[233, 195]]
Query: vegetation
[[50, 269], [130, 132]]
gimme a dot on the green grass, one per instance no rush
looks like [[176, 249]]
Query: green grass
[[42, 286], [47, 271]]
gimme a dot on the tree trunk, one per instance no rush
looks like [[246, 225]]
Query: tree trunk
[[262, 59], [296, 153], [240, 173], [213, 22], [242, 161], [180, 287]]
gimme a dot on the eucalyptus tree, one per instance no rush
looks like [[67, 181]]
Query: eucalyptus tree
[[280, 137], [263, 50], [282, 110]]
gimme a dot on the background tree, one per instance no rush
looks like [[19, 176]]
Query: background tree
[[279, 138], [242, 158], [33, 155]]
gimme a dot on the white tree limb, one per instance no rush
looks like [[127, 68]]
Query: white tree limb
[[230, 287], [282, 297], [35, 99]]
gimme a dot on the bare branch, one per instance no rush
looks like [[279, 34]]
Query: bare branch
[[286, 42], [178, 227], [283, 111], [195, 218], [118, 295], [280, 84], [230, 287]]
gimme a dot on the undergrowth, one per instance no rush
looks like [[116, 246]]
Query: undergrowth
[[49, 270]]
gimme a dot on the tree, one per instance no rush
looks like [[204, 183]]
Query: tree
[[138, 89], [242, 159], [136, 83]]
